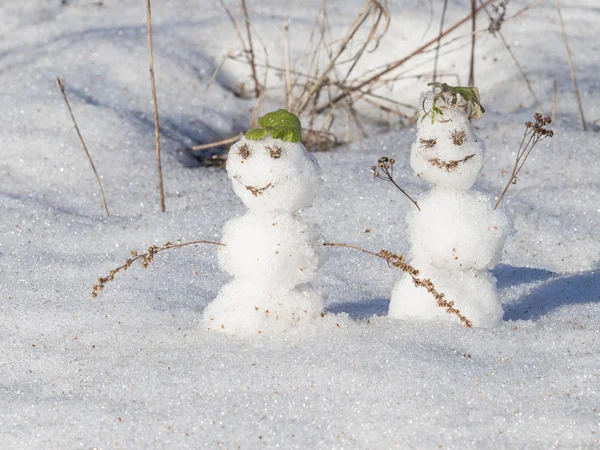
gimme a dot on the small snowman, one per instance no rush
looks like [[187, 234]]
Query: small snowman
[[456, 236], [271, 251]]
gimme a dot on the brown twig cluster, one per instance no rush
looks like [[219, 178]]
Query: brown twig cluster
[[458, 137], [384, 170], [243, 151], [145, 259], [399, 262], [427, 143], [328, 87], [274, 151], [534, 133], [449, 166]]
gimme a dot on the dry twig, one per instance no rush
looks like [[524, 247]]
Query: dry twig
[[62, 90], [571, 68], [146, 258], [386, 165], [534, 133], [155, 106], [398, 262]]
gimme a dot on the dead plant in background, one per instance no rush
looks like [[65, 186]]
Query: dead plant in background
[[399, 262], [145, 259], [534, 133], [60, 86]]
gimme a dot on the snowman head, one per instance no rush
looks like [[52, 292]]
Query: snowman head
[[271, 170], [447, 152]]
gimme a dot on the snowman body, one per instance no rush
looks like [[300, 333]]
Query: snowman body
[[270, 251], [456, 236]]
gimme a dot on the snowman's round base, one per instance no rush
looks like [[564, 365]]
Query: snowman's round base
[[244, 308], [472, 291]]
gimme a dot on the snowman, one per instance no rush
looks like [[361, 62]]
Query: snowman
[[456, 236], [271, 252]]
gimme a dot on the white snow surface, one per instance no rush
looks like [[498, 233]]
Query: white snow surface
[[136, 367]]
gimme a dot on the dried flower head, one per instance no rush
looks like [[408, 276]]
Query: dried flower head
[[243, 151], [534, 133], [427, 143], [273, 151], [458, 136], [384, 170]]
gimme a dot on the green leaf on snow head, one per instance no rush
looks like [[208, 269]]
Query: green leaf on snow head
[[280, 124], [256, 134]]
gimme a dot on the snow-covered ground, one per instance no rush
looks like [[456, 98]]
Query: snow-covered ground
[[135, 368]]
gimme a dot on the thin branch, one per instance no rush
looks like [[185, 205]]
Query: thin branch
[[571, 68], [226, 141], [62, 90], [251, 50], [534, 133], [155, 107], [554, 95], [146, 258], [288, 78], [439, 41], [386, 165], [471, 81], [398, 262]]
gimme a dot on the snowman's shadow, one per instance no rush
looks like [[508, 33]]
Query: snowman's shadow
[[507, 275], [361, 310], [560, 291]]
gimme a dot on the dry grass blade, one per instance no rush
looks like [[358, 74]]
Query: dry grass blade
[[370, 7], [494, 29], [398, 262], [439, 41], [288, 78], [473, 42], [226, 141], [87, 153], [155, 106], [571, 68], [251, 59], [145, 259], [534, 133]]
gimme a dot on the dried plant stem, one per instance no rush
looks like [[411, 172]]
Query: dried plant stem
[[554, 95], [439, 41], [229, 140], [385, 166], [398, 262], [146, 258], [288, 78], [251, 50], [534, 133], [155, 106], [390, 67], [87, 153], [473, 41], [571, 68]]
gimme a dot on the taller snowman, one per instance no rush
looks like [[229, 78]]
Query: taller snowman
[[456, 236]]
